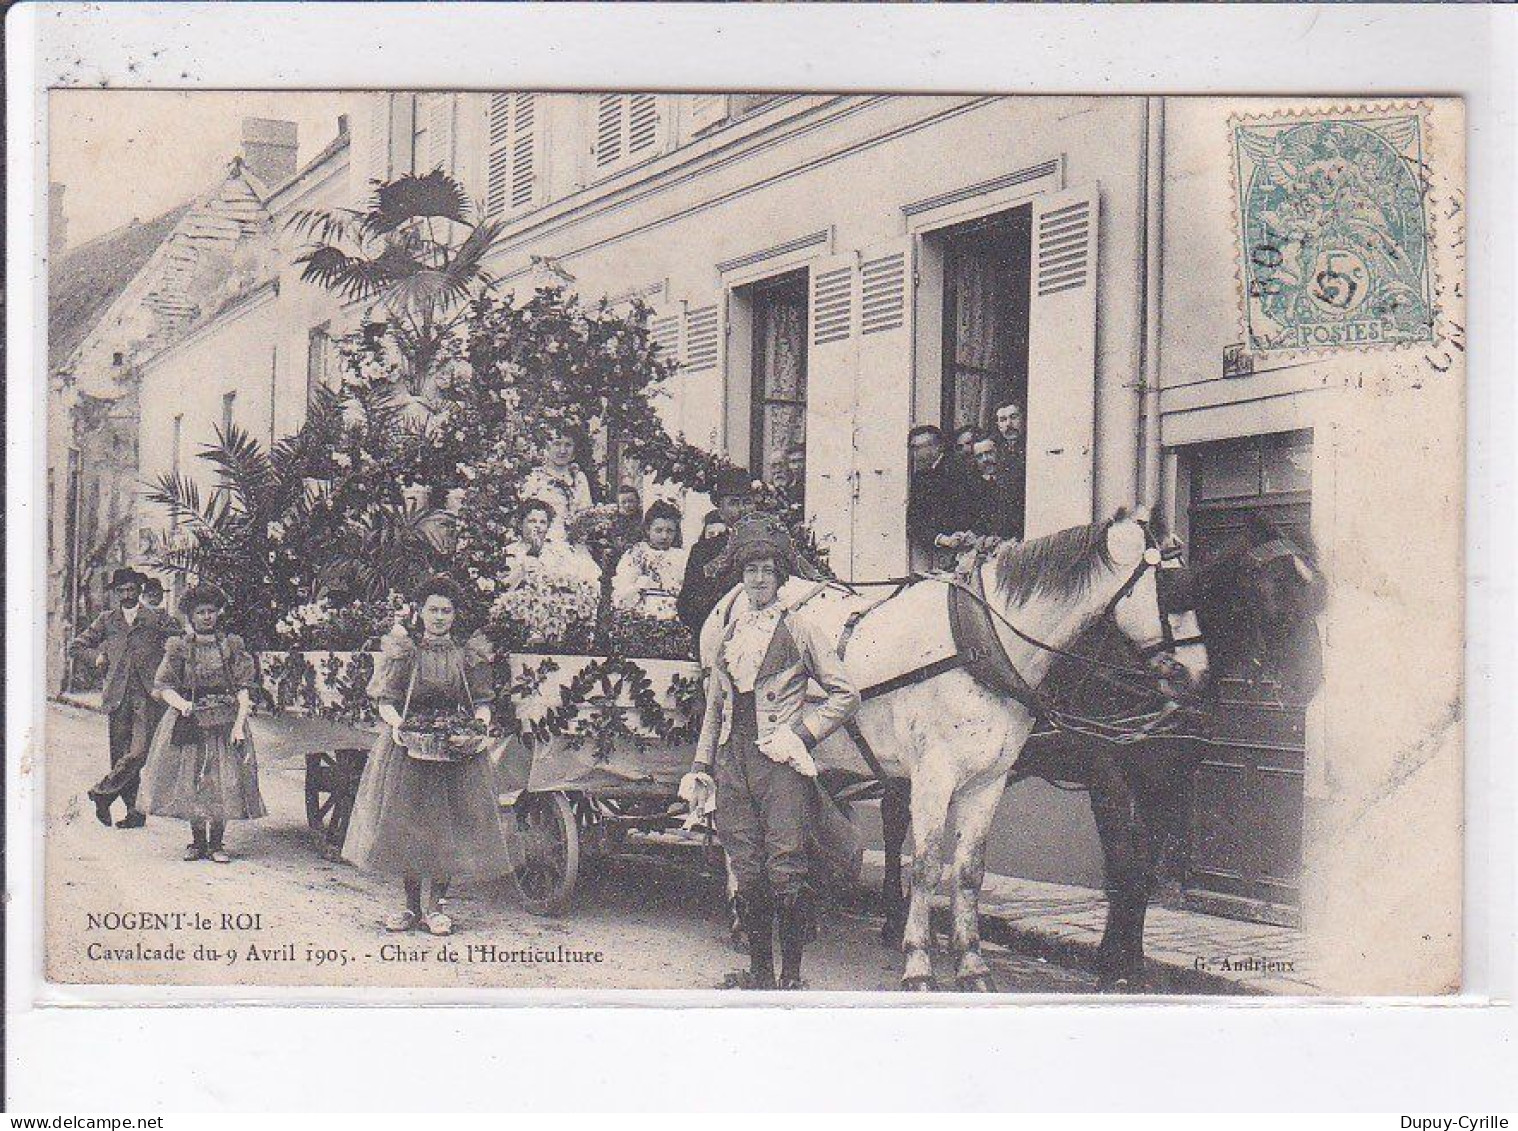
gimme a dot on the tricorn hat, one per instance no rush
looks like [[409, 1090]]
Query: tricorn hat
[[758, 537], [127, 577]]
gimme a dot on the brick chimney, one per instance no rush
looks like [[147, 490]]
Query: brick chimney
[[268, 149]]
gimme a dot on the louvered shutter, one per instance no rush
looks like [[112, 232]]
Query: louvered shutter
[[373, 144], [701, 370], [511, 170], [435, 113], [832, 341], [1062, 362], [611, 117], [664, 334], [642, 124], [883, 409]]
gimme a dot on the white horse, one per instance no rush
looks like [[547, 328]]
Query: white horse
[[931, 721]]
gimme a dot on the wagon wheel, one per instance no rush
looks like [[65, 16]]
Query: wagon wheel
[[331, 786], [543, 840], [320, 771]]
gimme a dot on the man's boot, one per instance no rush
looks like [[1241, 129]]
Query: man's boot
[[795, 925], [759, 925]]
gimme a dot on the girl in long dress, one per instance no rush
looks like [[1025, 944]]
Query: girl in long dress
[[650, 574], [428, 822], [201, 767]]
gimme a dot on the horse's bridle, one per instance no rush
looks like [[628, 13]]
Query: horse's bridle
[[1173, 593]]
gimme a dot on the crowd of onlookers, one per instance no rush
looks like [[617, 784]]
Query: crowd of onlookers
[[967, 493]]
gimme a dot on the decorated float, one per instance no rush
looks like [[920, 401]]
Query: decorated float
[[455, 402]]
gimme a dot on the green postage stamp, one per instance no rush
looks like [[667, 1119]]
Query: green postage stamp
[[1333, 230]]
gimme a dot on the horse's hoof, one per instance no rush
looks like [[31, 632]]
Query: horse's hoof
[[976, 984], [919, 984]]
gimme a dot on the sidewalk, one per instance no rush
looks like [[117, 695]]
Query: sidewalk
[[1190, 952]]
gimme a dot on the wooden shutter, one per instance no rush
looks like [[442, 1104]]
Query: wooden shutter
[[642, 123], [832, 352], [664, 333], [1062, 362], [511, 169], [883, 409], [611, 118], [627, 126], [701, 369], [436, 114], [372, 155]]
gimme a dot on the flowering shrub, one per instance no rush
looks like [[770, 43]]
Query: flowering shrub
[[545, 611], [649, 638], [319, 627]]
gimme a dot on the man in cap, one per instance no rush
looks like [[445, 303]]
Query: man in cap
[[706, 579], [128, 643], [757, 735]]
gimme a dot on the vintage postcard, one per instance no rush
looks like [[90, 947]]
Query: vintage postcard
[[754, 542]]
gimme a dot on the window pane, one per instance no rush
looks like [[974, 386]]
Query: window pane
[[1287, 464], [1228, 471]]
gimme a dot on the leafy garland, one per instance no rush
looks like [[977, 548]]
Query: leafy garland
[[589, 716]]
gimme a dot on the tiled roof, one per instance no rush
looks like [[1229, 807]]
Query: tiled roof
[[86, 280]]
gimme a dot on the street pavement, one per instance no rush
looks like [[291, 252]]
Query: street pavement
[[123, 907]]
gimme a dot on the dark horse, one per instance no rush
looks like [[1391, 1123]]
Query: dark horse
[[1256, 600]]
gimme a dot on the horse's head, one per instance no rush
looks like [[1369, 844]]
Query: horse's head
[[1156, 607]]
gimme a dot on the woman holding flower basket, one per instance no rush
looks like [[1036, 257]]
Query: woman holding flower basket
[[426, 805], [201, 767]]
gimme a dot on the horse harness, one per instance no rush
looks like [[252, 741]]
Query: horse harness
[[980, 651]]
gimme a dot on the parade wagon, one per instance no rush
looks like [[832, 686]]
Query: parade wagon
[[592, 747]]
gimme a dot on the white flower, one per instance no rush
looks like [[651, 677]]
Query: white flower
[[486, 584]]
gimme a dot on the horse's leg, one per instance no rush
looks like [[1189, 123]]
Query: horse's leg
[[931, 794], [973, 811], [1126, 861], [895, 814]]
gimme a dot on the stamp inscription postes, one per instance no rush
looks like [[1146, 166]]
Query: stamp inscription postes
[[1333, 229]]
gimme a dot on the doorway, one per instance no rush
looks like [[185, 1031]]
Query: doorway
[[1244, 846]]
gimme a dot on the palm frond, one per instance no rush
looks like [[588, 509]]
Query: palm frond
[[350, 276], [244, 472], [323, 226], [410, 197]]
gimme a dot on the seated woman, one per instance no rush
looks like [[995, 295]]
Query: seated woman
[[558, 481], [537, 551], [649, 576]]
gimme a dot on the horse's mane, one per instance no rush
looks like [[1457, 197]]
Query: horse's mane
[[1057, 565]]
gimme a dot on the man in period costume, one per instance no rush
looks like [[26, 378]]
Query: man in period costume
[[128, 642], [707, 578], [757, 735]]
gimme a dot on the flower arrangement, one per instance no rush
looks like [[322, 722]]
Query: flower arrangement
[[631, 633], [544, 611], [601, 529], [442, 734], [318, 626]]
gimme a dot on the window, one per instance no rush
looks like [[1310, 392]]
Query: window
[[321, 364], [986, 308], [627, 128], [431, 133], [777, 440], [228, 405], [511, 178]]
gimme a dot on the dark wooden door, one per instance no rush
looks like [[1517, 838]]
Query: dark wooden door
[[1244, 852]]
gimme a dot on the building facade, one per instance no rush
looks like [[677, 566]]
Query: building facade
[[830, 270]]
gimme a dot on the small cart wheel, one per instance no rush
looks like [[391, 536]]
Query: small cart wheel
[[543, 840]]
